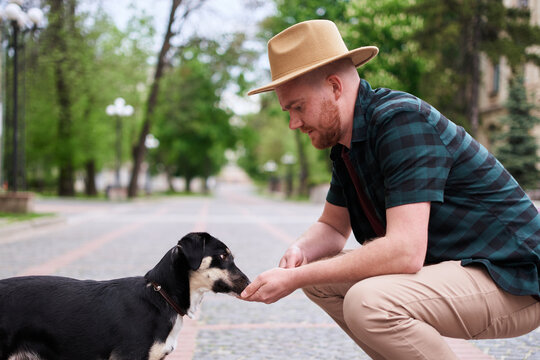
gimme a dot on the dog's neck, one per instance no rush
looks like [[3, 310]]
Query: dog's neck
[[176, 283], [158, 288], [196, 298]]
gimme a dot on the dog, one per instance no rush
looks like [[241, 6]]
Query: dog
[[58, 318]]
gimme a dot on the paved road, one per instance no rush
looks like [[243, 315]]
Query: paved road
[[101, 240]]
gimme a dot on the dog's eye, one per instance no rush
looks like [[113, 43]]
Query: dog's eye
[[223, 256]]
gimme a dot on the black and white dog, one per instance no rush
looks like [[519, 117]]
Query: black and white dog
[[57, 318]]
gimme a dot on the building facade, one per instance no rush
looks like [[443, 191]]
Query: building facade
[[496, 79]]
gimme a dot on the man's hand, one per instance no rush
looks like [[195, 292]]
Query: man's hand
[[270, 286], [293, 257]]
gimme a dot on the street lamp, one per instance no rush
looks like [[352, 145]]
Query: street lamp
[[119, 109], [150, 142], [19, 23], [270, 167], [288, 160]]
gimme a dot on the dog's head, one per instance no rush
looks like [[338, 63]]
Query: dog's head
[[211, 265]]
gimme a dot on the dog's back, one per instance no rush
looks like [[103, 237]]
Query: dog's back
[[97, 319]]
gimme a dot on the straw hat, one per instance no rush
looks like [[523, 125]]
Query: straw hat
[[306, 46]]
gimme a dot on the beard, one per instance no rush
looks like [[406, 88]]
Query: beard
[[329, 131]]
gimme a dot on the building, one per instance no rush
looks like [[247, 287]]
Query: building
[[495, 83]]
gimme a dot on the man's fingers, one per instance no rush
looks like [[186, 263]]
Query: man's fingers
[[250, 290]]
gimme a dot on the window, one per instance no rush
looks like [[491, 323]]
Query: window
[[495, 79]]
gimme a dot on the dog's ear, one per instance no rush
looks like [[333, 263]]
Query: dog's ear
[[192, 246]]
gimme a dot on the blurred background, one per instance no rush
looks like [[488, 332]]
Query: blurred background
[[126, 98]]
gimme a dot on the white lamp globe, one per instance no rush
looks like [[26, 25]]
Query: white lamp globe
[[150, 142], [35, 15], [111, 110], [119, 102], [12, 11], [128, 110], [23, 20]]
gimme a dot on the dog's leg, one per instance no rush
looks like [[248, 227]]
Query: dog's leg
[[160, 350]]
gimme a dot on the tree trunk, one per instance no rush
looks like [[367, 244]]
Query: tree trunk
[[66, 180], [139, 149], [170, 181], [303, 189], [472, 103], [205, 188], [188, 184], [90, 179]]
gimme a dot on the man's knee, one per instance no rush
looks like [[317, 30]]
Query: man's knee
[[368, 306], [309, 290], [314, 292]]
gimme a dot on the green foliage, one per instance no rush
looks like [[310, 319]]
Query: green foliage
[[388, 25], [425, 49], [193, 130], [100, 63], [93, 62], [266, 137], [519, 150]]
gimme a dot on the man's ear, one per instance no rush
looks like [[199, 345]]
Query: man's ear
[[337, 85], [192, 246]]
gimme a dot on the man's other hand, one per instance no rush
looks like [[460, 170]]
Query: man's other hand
[[293, 257]]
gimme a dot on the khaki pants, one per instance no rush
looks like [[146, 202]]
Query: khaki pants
[[404, 316]]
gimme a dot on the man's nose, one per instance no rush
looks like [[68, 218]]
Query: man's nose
[[294, 122]]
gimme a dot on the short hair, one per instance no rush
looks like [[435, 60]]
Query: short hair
[[341, 67]]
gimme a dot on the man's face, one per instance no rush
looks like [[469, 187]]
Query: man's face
[[313, 110]]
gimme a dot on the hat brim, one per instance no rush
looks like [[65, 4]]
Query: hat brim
[[358, 56]]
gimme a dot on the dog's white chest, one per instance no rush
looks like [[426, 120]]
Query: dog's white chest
[[159, 349]]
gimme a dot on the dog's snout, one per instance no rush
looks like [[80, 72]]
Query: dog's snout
[[240, 281]]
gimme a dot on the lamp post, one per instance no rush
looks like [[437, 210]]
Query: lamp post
[[19, 22], [119, 109], [150, 142], [270, 167], [288, 160]]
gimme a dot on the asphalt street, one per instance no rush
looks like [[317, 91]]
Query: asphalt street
[[105, 240]]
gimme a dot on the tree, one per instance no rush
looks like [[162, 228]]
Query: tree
[[139, 148], [97, 63], [61, 22], [387, 25], [519, 152], [193, 130], [453, 36]]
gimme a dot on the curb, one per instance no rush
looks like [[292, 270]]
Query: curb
[[19, 226]]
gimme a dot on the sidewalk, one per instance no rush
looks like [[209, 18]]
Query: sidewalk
[[98, 241]]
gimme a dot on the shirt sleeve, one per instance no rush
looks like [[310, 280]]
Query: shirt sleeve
[[335, 194], [414, 161]]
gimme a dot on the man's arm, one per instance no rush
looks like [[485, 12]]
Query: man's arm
[[326, 237], [401, 250]]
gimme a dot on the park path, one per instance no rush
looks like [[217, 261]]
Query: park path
[[103, 240]]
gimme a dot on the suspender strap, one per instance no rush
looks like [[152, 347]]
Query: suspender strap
[[366, 204]]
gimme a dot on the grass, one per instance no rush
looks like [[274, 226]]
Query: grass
[[14, 217]]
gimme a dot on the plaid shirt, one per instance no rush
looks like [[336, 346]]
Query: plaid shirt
[[404, 151]]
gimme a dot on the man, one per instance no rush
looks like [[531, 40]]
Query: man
[[451, 243]]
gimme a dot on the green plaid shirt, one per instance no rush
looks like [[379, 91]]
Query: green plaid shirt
[[404, 151]]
